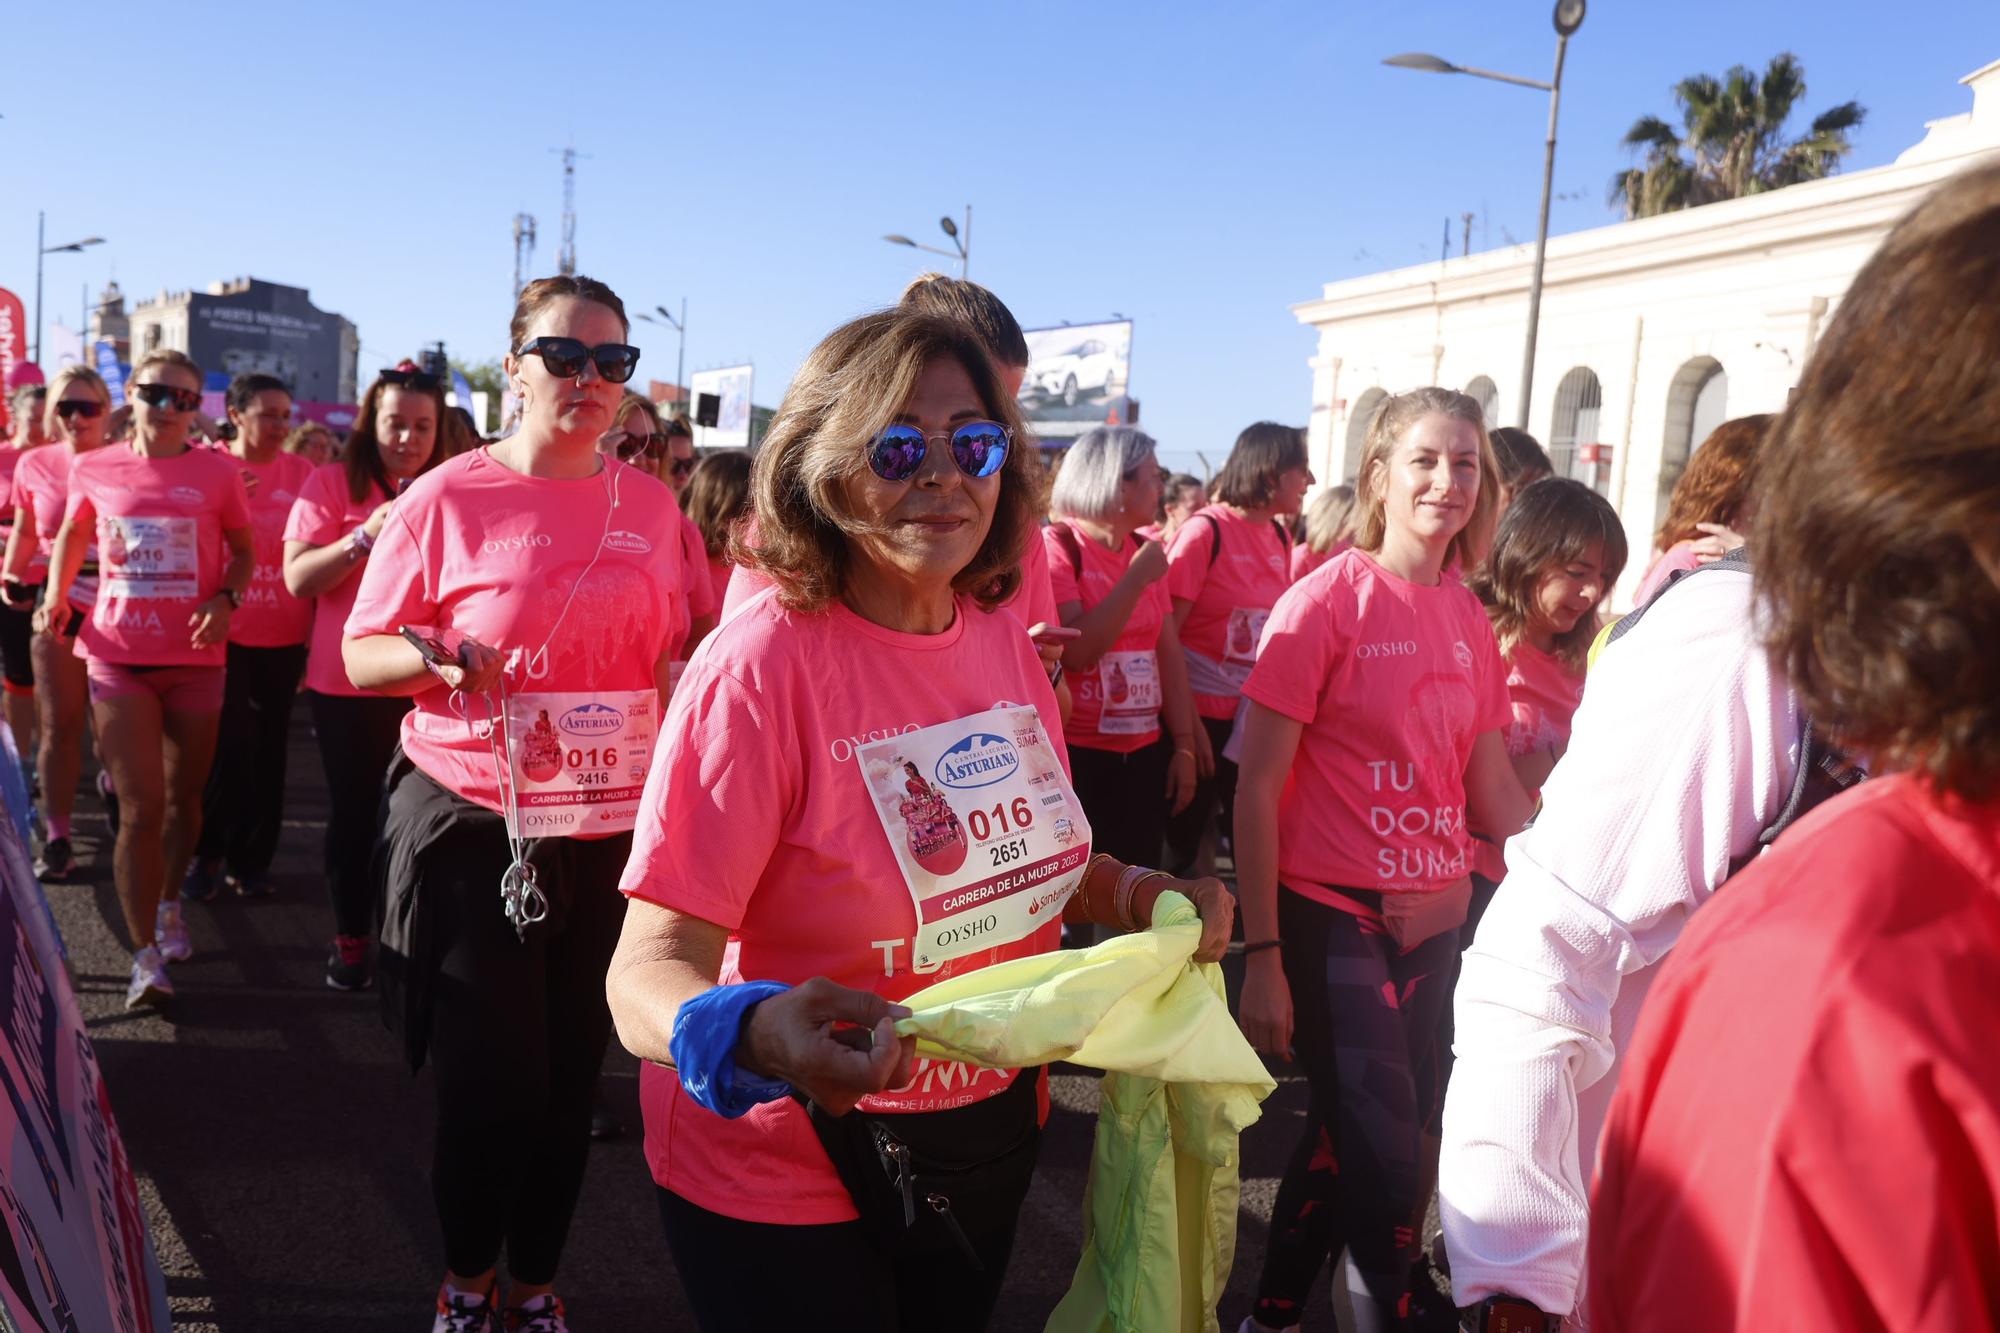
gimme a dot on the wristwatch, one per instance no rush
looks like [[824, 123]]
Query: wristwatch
[[1507, 1314], [235, 597]]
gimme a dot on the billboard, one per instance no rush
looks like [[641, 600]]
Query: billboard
[[1078, 377], [13, 346], [731, 387]]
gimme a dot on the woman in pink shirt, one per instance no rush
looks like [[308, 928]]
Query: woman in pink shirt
[[1374, 737], [338, 517], [1226, 568], [1710, 504], [79, 409], [1329, 530], [1125, 668], [788, 853], [717, 499], [528, 594], [17, 601], [171, 526]]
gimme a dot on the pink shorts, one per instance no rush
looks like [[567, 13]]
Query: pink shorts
[[186, 689]]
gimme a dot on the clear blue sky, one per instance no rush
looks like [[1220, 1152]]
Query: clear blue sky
[[1196, 167]]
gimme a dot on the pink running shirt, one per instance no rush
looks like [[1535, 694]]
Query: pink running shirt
[[1305, 560], [325, 514], [496, 556], [758, 818], [1671, 561], [701, 598], [1116, 705], [41, 484], [718, 580], [1393, 681], [159, 525], [1544, 692], [1233, 584], [270, 616]]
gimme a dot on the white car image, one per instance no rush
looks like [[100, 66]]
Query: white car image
[[1086, 366]]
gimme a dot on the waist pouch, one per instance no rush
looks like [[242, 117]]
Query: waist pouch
[[930, 1181], [1412, 918]]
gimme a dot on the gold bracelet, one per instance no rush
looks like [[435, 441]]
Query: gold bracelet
[[1151, 874], [1121, 899]]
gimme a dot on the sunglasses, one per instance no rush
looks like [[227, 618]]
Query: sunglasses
[[682, 467], [564, 358], [88, 408], [162, 396], [978, 447], [421, 380], [632, 446]]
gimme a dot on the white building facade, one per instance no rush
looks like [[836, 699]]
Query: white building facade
[[1652, 331]]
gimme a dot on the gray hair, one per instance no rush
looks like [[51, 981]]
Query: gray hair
[[1095, 468]]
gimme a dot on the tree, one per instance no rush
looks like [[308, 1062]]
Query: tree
[[485, 377], [1732, 141]]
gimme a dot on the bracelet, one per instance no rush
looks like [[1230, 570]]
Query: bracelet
[[358, 541], [1121, 898], [1249, 949], [1183, 750], [1150, 874], [706, 1032]]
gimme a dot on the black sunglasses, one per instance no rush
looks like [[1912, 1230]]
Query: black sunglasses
[[167, 396], [88, 408], [565, 358], [978, 447], [629, 448], [421, 380], [681, 467]]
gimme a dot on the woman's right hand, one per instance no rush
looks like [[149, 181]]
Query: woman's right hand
[[373, 527], [833, 1043], [480, 668], [1265, 1011], [1149, 562], [46, 621]]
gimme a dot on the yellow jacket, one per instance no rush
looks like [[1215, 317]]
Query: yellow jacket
[[1181, 1086]]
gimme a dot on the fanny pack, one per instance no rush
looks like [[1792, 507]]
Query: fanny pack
[[1412, 918], [930, 1181]]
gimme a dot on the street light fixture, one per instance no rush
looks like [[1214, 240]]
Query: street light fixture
[[962, 241], [1568, 18], [680, 326], [74, 247]]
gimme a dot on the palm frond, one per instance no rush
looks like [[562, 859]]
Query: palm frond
[[1652, 134], [1840, 119]]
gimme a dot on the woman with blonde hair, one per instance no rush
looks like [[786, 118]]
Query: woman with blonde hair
[[1329, 530], [312, 441]]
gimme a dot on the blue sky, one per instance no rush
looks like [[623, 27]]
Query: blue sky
[[1195, 167]]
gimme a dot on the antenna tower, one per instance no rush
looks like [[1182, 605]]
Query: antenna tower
[[566, 256], [524, 250]]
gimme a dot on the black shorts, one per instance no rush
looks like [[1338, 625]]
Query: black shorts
[[16, 628]]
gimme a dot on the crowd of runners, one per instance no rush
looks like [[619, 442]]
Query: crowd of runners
[[734, 754]]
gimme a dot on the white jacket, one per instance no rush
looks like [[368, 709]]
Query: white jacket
[[1684, 748]]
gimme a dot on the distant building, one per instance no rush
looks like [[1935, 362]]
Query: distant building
[[1652, 331], [249, 325]]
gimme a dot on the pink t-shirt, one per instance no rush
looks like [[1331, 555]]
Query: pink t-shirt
[[40, 486], [10, 460], [1305, 560], [758, 817], [701, 598], [1393, 681], [325, 513], [159, 525], [718, 578], [1675, 558], [499, 557], [270, 616], [1233, 587], [1116, 705], [1544, 691]]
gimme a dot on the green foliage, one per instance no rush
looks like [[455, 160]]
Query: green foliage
[[485, 377], [1731, 141]]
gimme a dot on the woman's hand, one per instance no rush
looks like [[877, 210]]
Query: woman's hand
[[834, 1044], [1720, 541], [480, 668], [1149, 562], [1204, 750], [47, 621], [211, 621], [1265, 1011], [1217, 906], [373, 527], [1181, 779], [1049, 641]]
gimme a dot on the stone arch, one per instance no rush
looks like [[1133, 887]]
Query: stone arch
[[1486, 393], [1358, 421], [1697, 402], [1579, 410]]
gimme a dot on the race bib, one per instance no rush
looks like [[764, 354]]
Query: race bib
[[1130, 683], [580, 759], [1246, 629], [149, 558], [989, 836]]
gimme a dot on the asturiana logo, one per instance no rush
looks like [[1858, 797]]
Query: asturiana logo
[[187, 495], [592, 720], [980, 760], [629, 542]]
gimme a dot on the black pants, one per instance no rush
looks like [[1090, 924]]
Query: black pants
[[763, 1275], [357, 738], [1212, 793], [243, 806], [1125, 799], [516, 1026], [1364, 1015], [16, 630]]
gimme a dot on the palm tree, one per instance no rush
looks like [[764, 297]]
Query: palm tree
[[1732, 141]]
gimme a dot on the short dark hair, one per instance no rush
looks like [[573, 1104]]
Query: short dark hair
[[1876, 552], [1519, 456], [243, 390], [1249, 478], [975, 307], [1551, 522], [718, 494]]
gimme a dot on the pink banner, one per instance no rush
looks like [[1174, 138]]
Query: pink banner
[[13, 343]]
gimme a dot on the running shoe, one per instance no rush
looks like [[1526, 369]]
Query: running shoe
[[202, 881], [347, 965], [150, 984], [109, 795], [544, 1314], [170, 932], [57, 862], [253, 886], [464, 1312]]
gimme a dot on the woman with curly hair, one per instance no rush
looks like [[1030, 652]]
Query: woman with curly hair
[[1709, 507]]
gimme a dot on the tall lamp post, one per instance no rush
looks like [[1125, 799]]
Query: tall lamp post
[[1568, 18], [74, 247], [680, 326], [961, 240]]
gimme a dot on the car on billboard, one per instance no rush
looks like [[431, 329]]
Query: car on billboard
[[1087, 366]]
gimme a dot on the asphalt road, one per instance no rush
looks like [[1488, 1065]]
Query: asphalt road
[[283, 1148]]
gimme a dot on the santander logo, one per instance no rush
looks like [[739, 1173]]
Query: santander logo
[[525, 542], [629, 542]]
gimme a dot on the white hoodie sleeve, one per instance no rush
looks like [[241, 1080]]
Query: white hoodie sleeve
[[1683, 749]]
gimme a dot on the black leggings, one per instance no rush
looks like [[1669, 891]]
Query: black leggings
[[1363, 1020], [357, 738], [16, 630], [1124, 797], [1185, 830], [243, 806], [764, 1275]]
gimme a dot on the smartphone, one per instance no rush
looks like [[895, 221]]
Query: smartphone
[[434, 651]]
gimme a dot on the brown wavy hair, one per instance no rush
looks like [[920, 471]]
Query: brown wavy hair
[[1717, 481], [1876, 545], [718, 495], [850, 387], [1392, 421], [1551, 523]]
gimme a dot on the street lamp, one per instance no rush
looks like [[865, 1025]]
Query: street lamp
[[680, 326], [961, 240], [74, 247], [1568, 18]]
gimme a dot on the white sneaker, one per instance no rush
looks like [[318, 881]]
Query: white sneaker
[[171, 934], [150, 984], [465, 1311]]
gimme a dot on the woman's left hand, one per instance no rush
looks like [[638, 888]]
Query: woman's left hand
[[1217, 905], [1049, 641], [1180, 779], [1204, 751], [211, 622]]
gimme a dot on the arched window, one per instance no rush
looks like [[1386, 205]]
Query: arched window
[[1697, 402], [1486, 393], [1358, 422], [1573, 442]]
